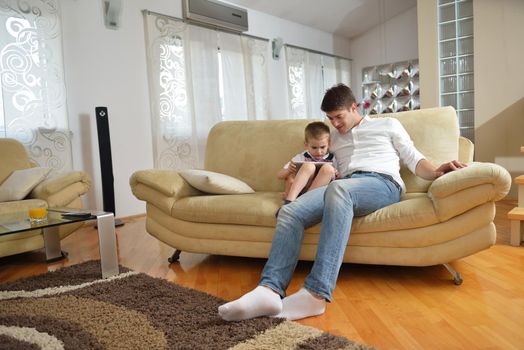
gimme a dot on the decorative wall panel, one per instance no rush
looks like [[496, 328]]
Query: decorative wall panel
[[392, 87]]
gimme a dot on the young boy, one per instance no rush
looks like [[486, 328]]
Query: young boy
[[303, 173]]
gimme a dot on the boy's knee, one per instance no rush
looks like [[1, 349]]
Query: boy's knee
[[309, 168], [327, 169]]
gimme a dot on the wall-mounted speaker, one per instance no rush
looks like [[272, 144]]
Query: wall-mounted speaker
[[106, 161]]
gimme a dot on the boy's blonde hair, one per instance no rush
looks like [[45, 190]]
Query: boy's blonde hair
[[316, 130]]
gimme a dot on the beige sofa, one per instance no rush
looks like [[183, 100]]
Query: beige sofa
[[434, 223], [61, 190]]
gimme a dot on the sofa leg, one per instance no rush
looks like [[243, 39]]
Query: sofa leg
[[457, 278], [174, 257]]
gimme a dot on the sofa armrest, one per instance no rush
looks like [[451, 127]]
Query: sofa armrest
[[162, 188], [459, 191], [62, 189]]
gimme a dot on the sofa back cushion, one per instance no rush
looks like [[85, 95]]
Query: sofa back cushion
[[435, 133], [254, 151], [13, 156]]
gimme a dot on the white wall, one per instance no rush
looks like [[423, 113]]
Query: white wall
[[499, 84], [428, 53], [499, 56], [108, 68], [395, 40]]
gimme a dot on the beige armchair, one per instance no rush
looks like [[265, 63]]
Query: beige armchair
[[60, 190]]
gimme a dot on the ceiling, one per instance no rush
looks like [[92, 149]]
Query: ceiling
[[347, 18]]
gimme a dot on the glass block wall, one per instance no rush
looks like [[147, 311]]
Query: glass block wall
[[455, 21]]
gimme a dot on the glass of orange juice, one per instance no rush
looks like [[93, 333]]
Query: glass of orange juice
[[37, 215]]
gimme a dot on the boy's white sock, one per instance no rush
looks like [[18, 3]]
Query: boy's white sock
[[261, 301], [302, 304]]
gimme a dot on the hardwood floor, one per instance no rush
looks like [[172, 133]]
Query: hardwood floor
[[388, 307]]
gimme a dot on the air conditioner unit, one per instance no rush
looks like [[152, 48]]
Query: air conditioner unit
[[216, 14]]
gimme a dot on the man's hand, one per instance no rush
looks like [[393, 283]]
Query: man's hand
[[428, 171], [449, 166]]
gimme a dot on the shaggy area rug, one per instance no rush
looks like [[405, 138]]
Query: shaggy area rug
[[73, 308]]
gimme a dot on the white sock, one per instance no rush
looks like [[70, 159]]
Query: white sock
[[261, 301], [302, 304]]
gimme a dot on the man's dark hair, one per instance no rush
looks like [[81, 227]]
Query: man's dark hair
[[337, 97], [315, 130]]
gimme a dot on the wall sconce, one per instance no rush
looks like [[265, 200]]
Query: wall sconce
[[276, 45], [112, 11]]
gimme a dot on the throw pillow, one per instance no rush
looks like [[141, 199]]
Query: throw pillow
[[215, 183], [18, 185]]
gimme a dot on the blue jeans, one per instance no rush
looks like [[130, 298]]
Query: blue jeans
[[335, 205]]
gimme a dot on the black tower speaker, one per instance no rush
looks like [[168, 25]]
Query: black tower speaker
[[106, 162]]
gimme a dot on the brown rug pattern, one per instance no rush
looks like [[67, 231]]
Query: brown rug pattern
[[73, 308]]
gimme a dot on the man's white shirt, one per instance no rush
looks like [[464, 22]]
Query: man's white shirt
[[375, 144]]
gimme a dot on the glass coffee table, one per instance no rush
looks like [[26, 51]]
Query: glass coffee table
[[19, 222]]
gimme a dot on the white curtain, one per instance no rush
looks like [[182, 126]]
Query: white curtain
[[330, 71], [296, 75], [255, 53], [171, 104], [315, 80], [183, 84], [198, 77], [309, 75], [233, 93], [243, 62], [203, 84], [33, 106]]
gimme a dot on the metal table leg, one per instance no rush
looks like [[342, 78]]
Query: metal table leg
[[53, 250], [107, 244]]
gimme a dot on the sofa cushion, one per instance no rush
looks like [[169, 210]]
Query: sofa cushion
[[215, 183], [258, 209], [409, 213], [18, 185]]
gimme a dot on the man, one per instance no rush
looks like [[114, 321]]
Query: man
[[368, 153]]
